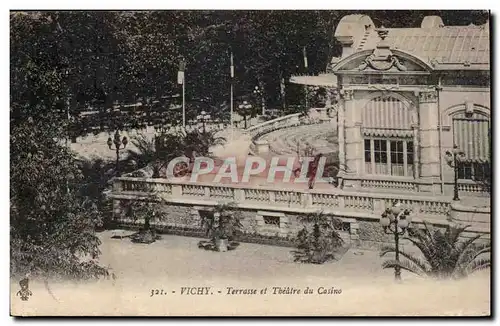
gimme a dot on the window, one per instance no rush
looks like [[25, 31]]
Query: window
[[397, 158], [272, 220], [409, 158], [344, 226], [390, 157], [474, 171], [368, 156], [471, 133], [380, 154]]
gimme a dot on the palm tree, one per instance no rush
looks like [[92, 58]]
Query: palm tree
[[150, 210], [201, 142], [319, 240], [164, 147], [221, 226], [96, 176], [157, 151], [444, 254]]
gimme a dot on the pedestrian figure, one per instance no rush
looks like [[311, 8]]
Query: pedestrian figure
[[313, 168]]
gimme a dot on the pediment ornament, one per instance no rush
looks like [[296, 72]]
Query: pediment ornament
[[382, 58]]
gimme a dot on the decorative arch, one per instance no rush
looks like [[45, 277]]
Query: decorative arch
[[357, 56], [389, 114], [470, 125], [402, 97], [459, 111]]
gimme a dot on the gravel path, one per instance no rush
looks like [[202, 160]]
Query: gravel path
[[174, 264]]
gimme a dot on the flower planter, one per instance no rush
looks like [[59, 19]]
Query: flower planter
[[221, 245]]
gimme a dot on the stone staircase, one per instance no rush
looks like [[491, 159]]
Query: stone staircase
[[320, 137]]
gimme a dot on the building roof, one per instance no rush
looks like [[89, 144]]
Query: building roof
[[434, 43], [446, 45], [326, 80]]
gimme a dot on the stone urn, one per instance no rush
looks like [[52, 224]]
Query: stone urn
[[262, 146], [221, 245]]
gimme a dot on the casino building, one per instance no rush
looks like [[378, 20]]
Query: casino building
[[405, 97]]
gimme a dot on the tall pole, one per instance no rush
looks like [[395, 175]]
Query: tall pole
[[184, 101], [68, 103], [263, 104], [306, 66], [117, 160], [455, 166], [232, 76], [397, 270], [232, 127], [305, 93], [181, 79]]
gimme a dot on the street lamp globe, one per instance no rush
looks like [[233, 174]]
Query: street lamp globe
[[396, 209], [403, 223], [456, 150], [390, 215], [384, 221]]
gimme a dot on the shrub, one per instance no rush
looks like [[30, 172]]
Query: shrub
[[222, 224], [318, 241], [443, 254]]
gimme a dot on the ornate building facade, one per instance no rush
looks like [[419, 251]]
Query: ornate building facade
[[406, 96]]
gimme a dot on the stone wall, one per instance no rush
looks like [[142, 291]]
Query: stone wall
[[186, 220], [177, 217]]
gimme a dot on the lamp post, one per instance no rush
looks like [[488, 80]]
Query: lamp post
[[257, 92], [395, 221], [203, 118], [245, 108], [453, 158], [118, 145]]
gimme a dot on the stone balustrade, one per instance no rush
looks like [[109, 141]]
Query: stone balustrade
[[337, 201], [287, 121]]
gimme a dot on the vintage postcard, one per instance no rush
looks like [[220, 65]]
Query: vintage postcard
[[250, 163]]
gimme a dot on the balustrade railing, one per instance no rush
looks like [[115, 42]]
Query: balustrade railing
[[388, 184], [473, 187], [335, 199], [272, 125]]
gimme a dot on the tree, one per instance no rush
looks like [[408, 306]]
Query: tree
[[222, 225], [443, 254], [200, 143], [318, 241], [149, 210], [52, 226], [158, 151], [95, 180], [165, 146]]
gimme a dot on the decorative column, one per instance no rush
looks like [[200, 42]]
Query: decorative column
[[340, 136], [353, 140], [429, 142]]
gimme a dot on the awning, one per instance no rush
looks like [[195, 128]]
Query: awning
[[386, 132], [472, 136], [325, 80]]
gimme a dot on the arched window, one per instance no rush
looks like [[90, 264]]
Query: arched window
[[472, 135], [388, 136]]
